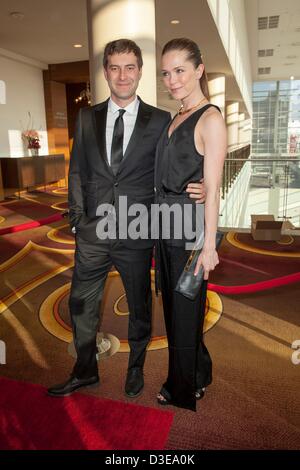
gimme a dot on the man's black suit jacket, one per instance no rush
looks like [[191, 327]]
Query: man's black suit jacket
[[91, 180]]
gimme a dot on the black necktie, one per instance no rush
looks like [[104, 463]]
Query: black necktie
[[117, 142]]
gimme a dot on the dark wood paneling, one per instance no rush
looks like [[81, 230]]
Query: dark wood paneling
[[27, 172], [56, 118], [73, 91], [60, 116], [70, 72]]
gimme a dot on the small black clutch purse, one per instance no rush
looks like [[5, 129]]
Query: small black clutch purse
[[188, 284]]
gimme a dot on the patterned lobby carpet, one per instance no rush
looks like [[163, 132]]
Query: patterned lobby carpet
[[19, 212], [253, 401]]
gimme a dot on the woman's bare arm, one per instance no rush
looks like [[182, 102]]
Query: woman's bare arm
[[214, 139]]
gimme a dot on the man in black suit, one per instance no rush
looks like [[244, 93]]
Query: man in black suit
[[113, 155]]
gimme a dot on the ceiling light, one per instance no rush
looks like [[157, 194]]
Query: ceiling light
[[292, 77], [175, 21], [77, 45], [17, 15]]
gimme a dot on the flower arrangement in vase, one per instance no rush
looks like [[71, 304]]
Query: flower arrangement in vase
[[31, 138]]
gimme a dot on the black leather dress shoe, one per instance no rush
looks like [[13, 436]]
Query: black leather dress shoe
[[72, 384], [134, 382]]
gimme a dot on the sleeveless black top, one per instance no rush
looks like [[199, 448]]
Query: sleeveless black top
[[178, 163]]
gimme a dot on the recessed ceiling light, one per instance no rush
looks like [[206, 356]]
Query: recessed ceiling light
[[77, 45], [17, 15], [292, 77], [175, 21]]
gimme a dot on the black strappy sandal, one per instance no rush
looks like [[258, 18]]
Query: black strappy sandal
[[163, 397], [199, 393]]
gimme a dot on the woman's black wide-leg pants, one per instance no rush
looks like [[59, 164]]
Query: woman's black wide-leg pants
[[190, 365]]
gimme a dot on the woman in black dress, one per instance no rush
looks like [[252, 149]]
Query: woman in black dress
[[193, 145]]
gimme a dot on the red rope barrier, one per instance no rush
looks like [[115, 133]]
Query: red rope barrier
[[32, 224], [226, 290], [256, 287]]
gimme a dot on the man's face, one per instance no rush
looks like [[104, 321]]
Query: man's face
[[122, 75]]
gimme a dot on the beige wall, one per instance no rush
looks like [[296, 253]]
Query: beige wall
[[24, 92]]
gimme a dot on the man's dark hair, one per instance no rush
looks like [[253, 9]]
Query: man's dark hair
[[121, 46]]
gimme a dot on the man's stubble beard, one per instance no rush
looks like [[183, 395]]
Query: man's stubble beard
[[130, 94]]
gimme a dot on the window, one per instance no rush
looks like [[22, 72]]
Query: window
[[276, 116]]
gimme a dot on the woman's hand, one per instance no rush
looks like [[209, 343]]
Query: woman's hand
[[208, 259], [197, 191]]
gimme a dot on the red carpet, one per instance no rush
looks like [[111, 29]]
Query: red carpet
[[30, 420]]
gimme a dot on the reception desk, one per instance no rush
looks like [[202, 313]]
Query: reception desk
[[29, 172]]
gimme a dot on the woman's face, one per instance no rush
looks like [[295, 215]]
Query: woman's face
[[179, 74]]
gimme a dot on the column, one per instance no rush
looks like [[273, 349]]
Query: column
[[247, 131], [232, 121], [132, 19], [241, 128], [216, 87], [244, 130]]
